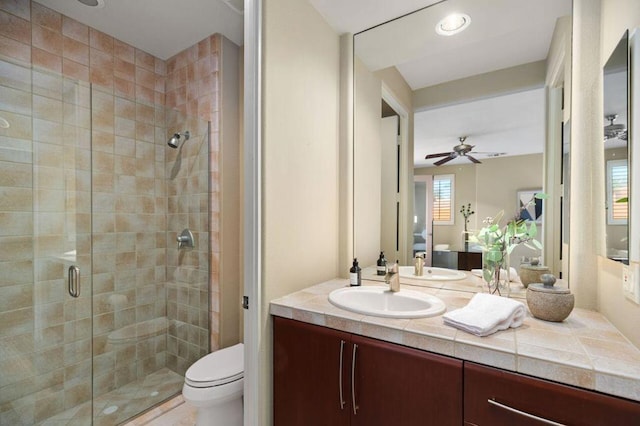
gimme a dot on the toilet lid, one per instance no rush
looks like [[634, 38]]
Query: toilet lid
[[218, 368]]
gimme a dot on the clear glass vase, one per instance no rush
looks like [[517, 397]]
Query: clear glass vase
[[495, 271]]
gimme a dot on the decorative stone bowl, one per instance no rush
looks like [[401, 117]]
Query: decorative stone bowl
[[532, 273], [547, 302]]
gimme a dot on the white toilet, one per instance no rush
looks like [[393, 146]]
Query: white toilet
[[214, 385]]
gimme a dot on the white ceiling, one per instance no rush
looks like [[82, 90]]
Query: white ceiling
[[512, 123], [162, 28], [353, 16], [502, 34]]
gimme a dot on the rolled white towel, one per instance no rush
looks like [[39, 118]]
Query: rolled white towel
[[485, 314], [513, 274]]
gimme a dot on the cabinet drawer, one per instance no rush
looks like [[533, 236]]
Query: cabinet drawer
[[491, 395]]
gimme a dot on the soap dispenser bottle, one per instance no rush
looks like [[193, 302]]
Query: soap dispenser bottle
[[355, 274], [381, 266]]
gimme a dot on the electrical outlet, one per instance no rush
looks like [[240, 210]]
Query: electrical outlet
[[631, 282], [626, 279]]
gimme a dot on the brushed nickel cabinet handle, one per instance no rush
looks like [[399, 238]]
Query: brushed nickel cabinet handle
[[342, 401], [353, 379], [523, 413]]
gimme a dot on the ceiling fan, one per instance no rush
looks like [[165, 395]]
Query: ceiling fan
[[461, 150], [614, 131]]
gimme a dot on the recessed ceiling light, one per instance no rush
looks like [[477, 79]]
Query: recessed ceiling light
[[453, 24], [92, 3]]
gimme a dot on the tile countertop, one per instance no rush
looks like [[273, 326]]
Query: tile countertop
[[585, 350]]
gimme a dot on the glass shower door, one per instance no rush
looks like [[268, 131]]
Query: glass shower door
[[45, 248], [101, 312]]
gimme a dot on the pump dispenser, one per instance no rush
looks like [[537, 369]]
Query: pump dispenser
[[381, 266], [355, 274]]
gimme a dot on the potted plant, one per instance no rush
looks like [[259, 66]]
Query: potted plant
[[466, 213], [498, 242]]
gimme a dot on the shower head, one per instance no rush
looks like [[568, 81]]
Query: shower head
[[175, 139]]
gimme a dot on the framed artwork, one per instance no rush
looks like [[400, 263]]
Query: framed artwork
[[534, 210]]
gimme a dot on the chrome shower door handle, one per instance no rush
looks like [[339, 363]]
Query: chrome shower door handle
[[74, 281]]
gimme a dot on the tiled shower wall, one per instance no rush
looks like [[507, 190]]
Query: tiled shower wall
[[193, 88], [135, 198]]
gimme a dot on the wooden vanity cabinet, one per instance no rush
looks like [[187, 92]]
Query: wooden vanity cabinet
[[491, 395], [320, 373], [396, 385], [307, 369], [468, 260]]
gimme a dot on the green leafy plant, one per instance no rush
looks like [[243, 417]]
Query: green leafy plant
[[498, 242]]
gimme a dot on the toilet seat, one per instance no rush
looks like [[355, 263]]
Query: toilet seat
[[217, 368]]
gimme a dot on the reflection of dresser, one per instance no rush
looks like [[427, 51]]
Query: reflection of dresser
[[461, 260]]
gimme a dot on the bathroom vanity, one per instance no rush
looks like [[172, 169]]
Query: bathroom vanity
[[335, 367], [328, 377]]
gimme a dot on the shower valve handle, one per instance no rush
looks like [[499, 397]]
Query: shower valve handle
[[185, 239]]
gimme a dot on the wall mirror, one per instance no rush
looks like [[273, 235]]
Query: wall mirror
[[488, 83], [616, 151], [634, 150]]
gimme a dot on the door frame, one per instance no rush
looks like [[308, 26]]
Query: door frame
[[252, 230], [405, 215], [428, 179]]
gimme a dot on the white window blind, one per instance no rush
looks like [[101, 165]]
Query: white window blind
[[617, 189], [443, 196]]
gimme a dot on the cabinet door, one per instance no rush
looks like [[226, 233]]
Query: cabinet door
[[551, 401], [469, 260], [396, 385], [306, 375]]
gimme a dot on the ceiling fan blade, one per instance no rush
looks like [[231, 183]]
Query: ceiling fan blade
[[442, 154], [473, 159], [444, 160]]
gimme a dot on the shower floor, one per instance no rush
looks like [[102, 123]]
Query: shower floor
[[123, 403]]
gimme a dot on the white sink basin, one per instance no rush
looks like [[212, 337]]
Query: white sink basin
[[380, 302], [432, 274]]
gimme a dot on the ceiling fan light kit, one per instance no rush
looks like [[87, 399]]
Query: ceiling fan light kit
[[461, 150], [614, 131]]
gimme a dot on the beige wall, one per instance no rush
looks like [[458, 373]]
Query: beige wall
[[587, 167], [495, 83], [367, 164], [301, 66], [228, 173], [397, 87], [616, 17], [394, 81], [367, 153]]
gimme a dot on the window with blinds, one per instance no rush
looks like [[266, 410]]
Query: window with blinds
[[443, 196], [617, 192]]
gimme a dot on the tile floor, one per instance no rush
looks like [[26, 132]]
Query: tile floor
[[174, 412], [123, 403]]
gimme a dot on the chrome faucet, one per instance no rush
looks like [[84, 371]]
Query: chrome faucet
[[393, 277], [419, 265]]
